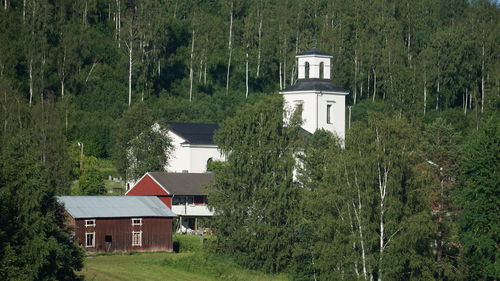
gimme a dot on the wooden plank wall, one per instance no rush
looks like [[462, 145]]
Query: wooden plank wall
[[156, 234]]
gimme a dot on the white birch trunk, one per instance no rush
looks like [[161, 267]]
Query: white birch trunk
[[349, 124], [191, 70], [63, 74], [374, 83], [355, 75], [84, 17], [260, 42], [425, 95], [281, 79], [437, 96], [360, 225], [30, 70], [382, 180], [246, 74], [130, 70], [118, 22], [230, 49], [483, 97]]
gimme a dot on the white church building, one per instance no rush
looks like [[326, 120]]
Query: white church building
[[322, 103], [180, 186]]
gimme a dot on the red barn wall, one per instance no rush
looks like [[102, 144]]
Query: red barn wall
[[156, 234], [147, 186]]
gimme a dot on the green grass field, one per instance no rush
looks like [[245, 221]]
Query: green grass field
[[192, 263]]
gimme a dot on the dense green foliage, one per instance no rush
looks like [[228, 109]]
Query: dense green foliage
[[415, 56], [102, 72], [91, 183], [371, 202], [254, 192], [35, 244], [140, 147], [479, 200]]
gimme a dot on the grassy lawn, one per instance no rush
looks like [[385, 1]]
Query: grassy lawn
[[192, 263]]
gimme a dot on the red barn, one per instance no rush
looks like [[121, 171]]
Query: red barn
[[120, 223], [182, 192]]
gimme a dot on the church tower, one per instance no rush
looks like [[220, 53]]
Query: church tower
[[322, 103]]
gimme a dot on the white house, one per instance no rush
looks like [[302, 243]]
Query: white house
[[194, 147], [322, 103]]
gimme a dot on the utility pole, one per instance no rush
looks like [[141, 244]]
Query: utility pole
[[80, 144]]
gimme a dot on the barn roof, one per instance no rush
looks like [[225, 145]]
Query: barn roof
[[114, 206], [315, 84], [183, 183], [194, 133]]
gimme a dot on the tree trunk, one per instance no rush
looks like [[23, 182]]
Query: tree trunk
[[246, 74], [382, 180], [30, 70], [483, 97], [130, 70], [355, 75], [191, 70], [118, 22], [374, 84], [425, 95], [230, 49], [437, 96], [260, 42]]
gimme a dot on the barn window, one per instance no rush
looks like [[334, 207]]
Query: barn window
[[321, 70], [90, 239], [89, 222], [136, 221], [136, 238], [307, 70]]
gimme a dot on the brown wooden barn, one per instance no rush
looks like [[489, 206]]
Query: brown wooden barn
[[120, 223]]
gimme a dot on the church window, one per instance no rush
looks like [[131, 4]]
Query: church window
[[322, 70], [329, 114], [307, 70]]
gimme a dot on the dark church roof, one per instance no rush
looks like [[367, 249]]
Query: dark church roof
[[314, 84], [183, 183], [314, 51], [194, 133]]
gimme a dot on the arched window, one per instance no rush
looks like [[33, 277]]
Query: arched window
[[209, 164], [306, 70], [321, 70]]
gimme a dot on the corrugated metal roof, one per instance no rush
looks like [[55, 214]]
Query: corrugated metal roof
[[115, 206], [183, 183]]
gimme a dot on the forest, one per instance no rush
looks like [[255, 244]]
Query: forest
[[425, 75]]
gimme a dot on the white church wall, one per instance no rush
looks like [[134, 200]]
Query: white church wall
[[199, 155], [190, 158], [314, 111], [180, 155]]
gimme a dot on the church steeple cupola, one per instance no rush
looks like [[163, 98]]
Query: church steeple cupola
[[314, 64], [321, 102]]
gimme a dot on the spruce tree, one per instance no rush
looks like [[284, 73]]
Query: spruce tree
[[478, 200]]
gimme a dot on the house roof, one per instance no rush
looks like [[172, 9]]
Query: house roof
[[314, 84], [115, 206], [183, 183], [194, 133], [314, 51]]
